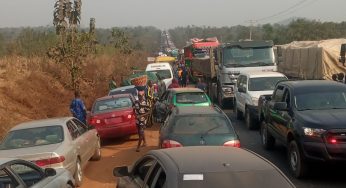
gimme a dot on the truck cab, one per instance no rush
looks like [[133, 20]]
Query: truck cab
[[237, 57]]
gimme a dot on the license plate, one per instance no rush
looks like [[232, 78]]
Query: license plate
[[114, 120]]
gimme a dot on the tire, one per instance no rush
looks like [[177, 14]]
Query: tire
[[268, 141], [238, 113], [298, 166], [78, 175], [97, 153], [250, 122]]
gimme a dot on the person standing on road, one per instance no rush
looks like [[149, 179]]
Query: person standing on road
[[112, 84], [174, 84], [201, 85], [184, 77], [141, 109], [77, 108], [161, 86]]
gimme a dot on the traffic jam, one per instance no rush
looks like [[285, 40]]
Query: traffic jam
[[187, 96]]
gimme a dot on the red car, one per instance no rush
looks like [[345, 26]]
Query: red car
[[113, 116]]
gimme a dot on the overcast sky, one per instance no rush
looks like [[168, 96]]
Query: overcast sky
[[166, 14]]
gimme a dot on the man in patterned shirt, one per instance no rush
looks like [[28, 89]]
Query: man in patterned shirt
[[142, 110]]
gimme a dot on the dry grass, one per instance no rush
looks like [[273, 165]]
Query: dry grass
[[36, 88]]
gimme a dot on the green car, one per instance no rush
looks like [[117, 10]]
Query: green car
[[185, 97], [197, 126]]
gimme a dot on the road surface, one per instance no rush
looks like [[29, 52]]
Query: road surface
[[122, 152]]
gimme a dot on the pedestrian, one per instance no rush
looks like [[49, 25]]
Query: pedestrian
[[174, 83], [201, 85], [184, 77], [112, 83], [161, 86], [142, 110], [149, 97], [77, 108]]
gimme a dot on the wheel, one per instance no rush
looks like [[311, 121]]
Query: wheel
[[69, 185], [78, 175], [249, 121], [238, 113], [268, 141], [297, 164], [97, 153]]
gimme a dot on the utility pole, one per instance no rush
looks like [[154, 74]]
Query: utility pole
[[252, 22]]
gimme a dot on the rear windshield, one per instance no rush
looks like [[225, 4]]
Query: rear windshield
[[112, 104], [264, 83], [192, 97], [33, 137], [164, 74], [198, 124], [132, 91]]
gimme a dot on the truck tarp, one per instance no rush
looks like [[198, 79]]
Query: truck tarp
[[311, 59]]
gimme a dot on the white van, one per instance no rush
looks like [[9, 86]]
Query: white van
[[250, 86], [162, 69]]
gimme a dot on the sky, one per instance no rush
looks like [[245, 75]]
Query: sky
[[165, 14]]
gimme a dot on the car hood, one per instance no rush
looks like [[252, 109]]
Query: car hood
[[257, 94], [30, 153], [326, 119]]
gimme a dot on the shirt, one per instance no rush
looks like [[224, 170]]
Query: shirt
[[78, 109], [140, 109]]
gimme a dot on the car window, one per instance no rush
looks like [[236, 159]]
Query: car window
[[191, 97], [28, 174], [287, 97], [264, 83], [72, 130], [24, 138], [279, 93], [142, 169], [157, 177], [80, 126], [7, 181], [195, 124], [111, 104]]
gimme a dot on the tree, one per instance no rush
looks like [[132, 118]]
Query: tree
[[74, 46]]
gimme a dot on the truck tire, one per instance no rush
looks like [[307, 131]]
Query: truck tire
[[238, 114], [268, 141], [298, 166], [250, 122]]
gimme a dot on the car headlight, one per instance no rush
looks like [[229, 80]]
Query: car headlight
[[313, 132], [254, 101]]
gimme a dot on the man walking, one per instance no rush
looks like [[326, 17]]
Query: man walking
[[112, 84], [77, 108]]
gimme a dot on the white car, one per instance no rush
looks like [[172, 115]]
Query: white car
[[21, 173], [164, 70], [250, 86], [54, 143]]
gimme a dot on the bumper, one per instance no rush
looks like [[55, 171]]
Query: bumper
[[324, 152], [118, 130]]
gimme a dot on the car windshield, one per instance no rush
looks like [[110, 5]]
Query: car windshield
[[198, 124], [321, 100], [164, 74], [264, 83], [39, 136], [248, 57], [191, 97], [112, 104]]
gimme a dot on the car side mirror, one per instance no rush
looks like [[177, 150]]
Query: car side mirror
[[49, 172], [280, 106], [121, 171], [241, 89]]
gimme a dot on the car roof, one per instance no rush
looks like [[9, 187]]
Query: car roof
[[212, 159], [302, 86], [257, 74], [185, 90], [122, 88], [113, 96], [191, 110], [41, 123]]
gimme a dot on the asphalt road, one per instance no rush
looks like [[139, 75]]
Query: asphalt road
[[321, 176]]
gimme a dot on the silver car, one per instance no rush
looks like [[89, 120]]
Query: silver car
[[21, 173], [54, 143]]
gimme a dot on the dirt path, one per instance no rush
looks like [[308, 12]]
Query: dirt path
[[116, 152]]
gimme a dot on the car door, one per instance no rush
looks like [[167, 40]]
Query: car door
[[285, 116], [86, 140], [78, 145], [8, 179], [240, 95], [32, 176], [275, 116]]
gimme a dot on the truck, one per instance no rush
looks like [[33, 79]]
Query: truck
[[223, 63], [308, 118]]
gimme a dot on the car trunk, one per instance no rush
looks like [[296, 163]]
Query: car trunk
[[112, 118]]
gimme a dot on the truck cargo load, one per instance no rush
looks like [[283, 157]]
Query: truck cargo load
[[310, 59]]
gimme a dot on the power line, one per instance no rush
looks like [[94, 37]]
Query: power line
[[283, 11], [307, 4]]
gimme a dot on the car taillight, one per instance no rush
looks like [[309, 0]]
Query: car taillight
[[49, 161], [95, 121], [129, 116], [232, 143], [170, 144]]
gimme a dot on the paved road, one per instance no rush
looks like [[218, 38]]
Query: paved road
[[322, 176]]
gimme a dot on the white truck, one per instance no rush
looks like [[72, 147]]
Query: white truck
[[250, 86]]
